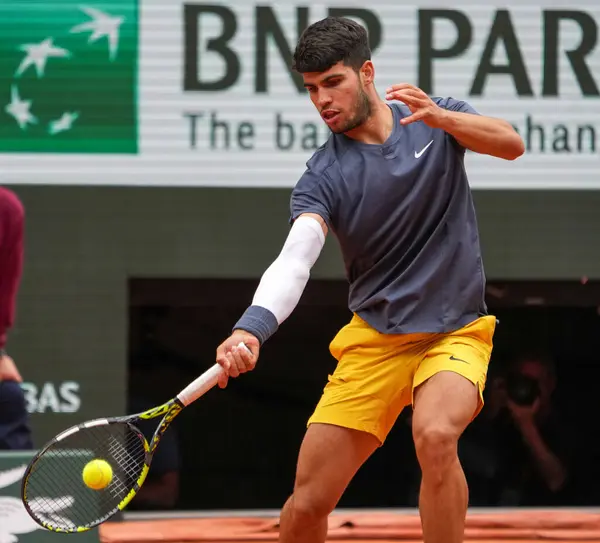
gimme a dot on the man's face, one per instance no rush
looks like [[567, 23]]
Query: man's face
[[339, 96]]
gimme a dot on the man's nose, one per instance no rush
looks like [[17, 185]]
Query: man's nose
[[324, 100]]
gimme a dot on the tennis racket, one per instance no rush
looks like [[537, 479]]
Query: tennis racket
[[53, 490]]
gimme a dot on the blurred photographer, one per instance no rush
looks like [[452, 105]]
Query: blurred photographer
[[535, 442], [519, 450]]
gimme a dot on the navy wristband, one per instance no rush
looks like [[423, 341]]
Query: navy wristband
[[259, 321]]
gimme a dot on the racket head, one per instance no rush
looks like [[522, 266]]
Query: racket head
[[53, 491]]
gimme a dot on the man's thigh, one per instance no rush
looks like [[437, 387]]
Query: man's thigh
[[465, 352], [329, 458], [444, 405]]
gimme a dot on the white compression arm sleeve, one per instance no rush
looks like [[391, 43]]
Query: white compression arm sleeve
[[283, 282]]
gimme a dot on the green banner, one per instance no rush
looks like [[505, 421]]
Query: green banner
[[16, 526], [68, 76]]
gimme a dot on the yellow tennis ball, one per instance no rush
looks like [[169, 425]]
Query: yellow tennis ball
[[97, 474]]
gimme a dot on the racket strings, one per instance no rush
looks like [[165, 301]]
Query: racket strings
[[128, 459], [55, 490], [54, 500], [127, 456]]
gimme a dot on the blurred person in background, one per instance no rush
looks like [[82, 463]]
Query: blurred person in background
[[15, 433], [154, 369], [537, 441], [520, 451]]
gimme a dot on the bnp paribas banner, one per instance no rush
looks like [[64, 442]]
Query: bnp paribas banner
[[156, 92]]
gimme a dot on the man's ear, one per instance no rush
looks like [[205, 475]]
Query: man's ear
[[367, 73]]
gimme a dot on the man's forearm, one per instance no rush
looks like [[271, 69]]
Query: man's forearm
[[547, 463], [484, 135], [283, 282]]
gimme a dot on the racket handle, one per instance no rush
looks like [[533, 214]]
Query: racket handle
[[203, 384]]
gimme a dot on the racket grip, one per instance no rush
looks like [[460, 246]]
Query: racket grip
[[203, 384]]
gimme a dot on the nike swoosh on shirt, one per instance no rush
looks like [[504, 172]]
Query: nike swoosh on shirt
[[417, 155]]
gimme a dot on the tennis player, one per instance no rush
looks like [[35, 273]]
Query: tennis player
[[390, 183]]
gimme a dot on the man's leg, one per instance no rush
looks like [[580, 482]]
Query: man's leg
[[443, 407], [369, 387], [329, 458]]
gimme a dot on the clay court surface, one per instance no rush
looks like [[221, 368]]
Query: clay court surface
[[483, 526]]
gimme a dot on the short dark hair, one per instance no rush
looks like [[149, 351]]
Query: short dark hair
[[329, 41]]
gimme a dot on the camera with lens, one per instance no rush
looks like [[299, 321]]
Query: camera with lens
[[522, 390]]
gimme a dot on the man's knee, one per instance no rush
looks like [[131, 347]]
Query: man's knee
[[311, 504], [315, 495], [444, 405], [435, 441], [436, 448]]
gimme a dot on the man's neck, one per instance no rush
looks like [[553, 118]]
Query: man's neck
[[377, 128]]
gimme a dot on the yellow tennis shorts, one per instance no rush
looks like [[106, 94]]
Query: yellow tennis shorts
[[376, 373]]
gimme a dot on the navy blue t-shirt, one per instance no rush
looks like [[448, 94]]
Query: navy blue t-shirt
[[404, 217]]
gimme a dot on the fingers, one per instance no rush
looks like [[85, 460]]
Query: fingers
[[421, 114], [253, 346], [405, 88], [411, 98], [414, 94], [422, 107], [225, 364], [400, 86], [236, 357], [240, 360], [223, 379]]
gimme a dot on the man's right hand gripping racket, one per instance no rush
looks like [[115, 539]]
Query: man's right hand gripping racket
[[93, 470]]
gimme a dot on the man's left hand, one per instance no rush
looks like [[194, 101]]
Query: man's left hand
[[422, 107]]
